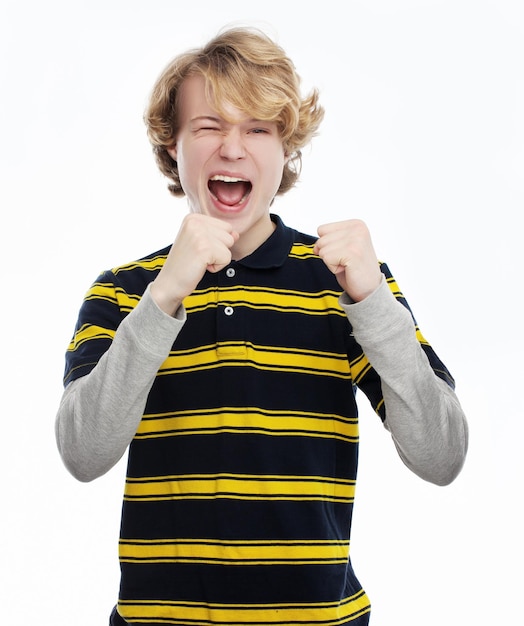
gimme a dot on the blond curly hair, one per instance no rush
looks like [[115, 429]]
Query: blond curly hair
[[242, 67]]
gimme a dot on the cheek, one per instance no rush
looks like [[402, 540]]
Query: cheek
[[187, 165], [195, 156], [193, 175], [279, 161]]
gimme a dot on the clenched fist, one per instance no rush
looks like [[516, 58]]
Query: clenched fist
[[203, 243], [347, 250]]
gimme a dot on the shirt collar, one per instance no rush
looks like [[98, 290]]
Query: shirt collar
[[274, 251]]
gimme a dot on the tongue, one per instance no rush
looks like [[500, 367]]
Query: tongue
[[228, 193]]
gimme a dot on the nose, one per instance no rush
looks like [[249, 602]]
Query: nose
[[232, 147]]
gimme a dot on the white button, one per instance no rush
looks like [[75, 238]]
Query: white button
[[228, 310], [230, 272]]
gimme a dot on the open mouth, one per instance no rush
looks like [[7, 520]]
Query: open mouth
[[228, 190]]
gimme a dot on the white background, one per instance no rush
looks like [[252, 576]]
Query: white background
[[423, 138]]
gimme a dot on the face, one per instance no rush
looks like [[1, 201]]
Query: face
[[229, 169]]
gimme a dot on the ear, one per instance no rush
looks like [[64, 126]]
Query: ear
[[172, 151]]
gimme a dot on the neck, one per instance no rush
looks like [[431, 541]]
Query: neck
[[252, 239]]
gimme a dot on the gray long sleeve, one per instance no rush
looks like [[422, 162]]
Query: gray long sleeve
[[423, 413], [100, 412]]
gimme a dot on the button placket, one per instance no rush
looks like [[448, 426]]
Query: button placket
[[230, 319], [230, 273]]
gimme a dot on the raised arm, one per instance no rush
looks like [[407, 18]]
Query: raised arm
[[100, 412], [423, 413]]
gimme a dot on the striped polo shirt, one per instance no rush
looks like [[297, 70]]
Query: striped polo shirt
[[241, 477]]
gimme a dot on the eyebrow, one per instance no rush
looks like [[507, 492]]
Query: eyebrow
[[218, 120], [205, 117]]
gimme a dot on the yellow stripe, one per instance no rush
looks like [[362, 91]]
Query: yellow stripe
[[394, 287], [216, 552], [102, 291], [359, 368], [87, 332], [201, 614], [420, 336], [261, 357], [114, 295], [321, 303], [302, 251], [239, 487], [248, 420], [154, 263]]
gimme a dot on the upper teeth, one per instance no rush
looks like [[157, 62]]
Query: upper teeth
[[227, 179]]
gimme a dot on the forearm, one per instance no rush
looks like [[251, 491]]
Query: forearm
[[100, 413], [423, 413]]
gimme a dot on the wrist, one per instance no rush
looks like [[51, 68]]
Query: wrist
[[165, 300]]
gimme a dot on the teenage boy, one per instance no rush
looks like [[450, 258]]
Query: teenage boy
[[227, 365]]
